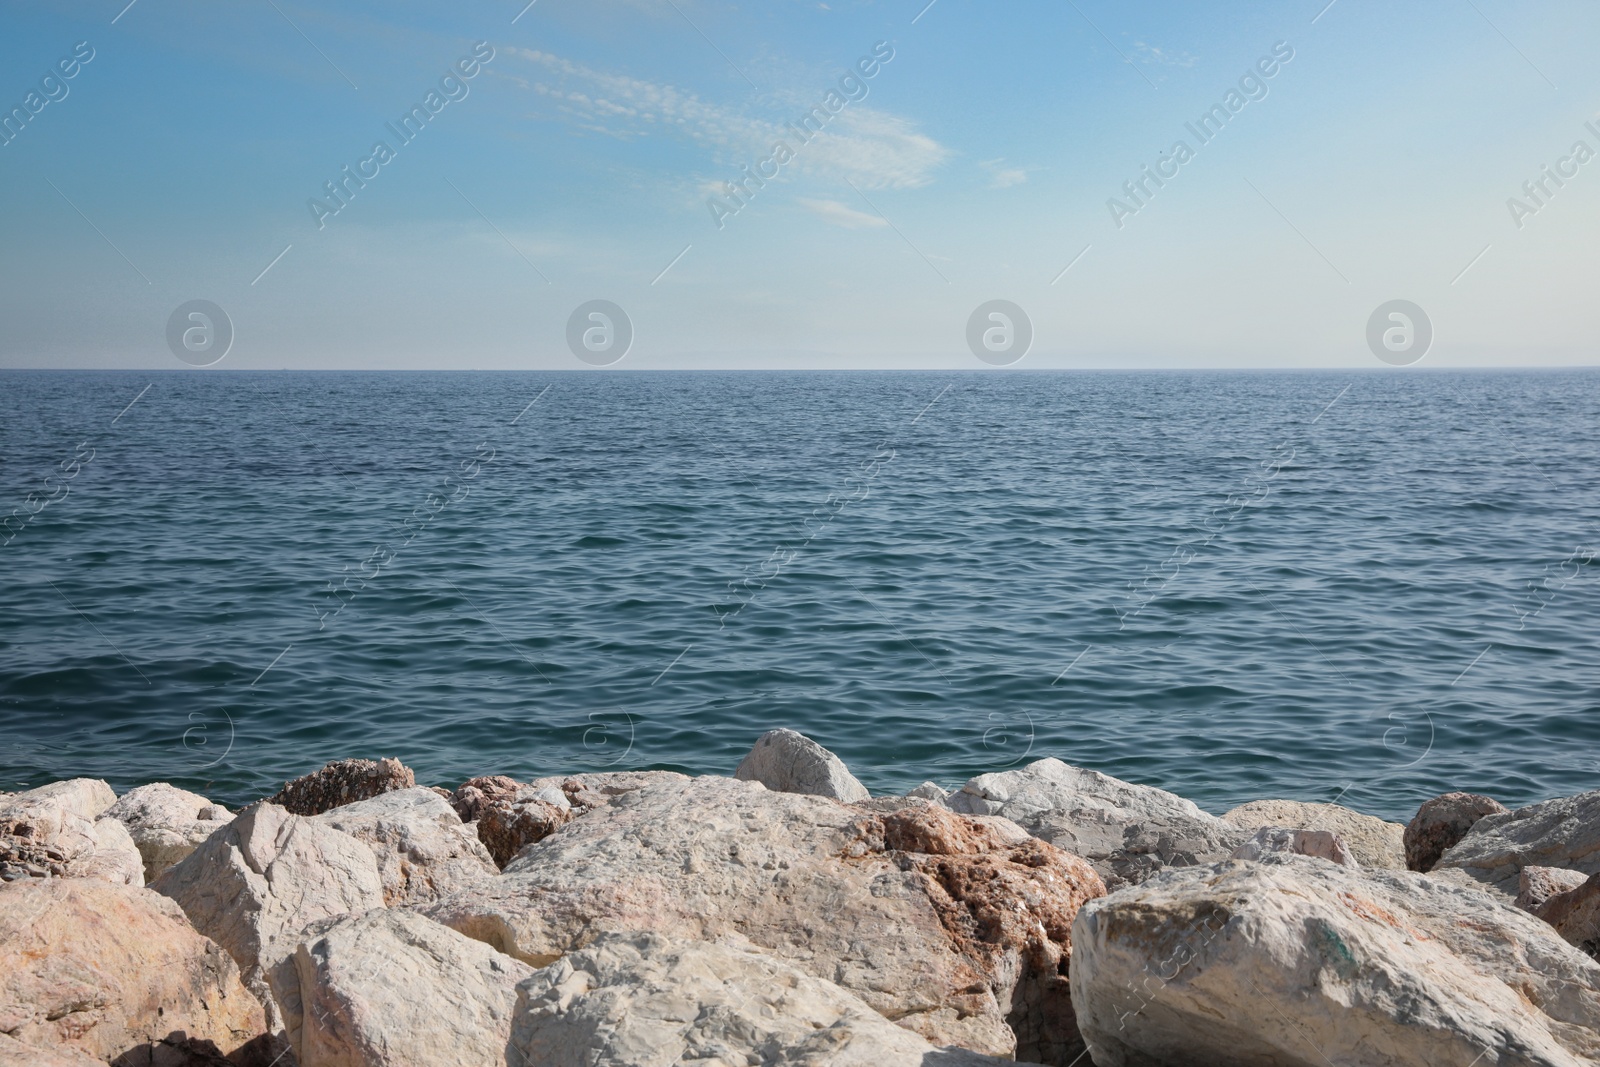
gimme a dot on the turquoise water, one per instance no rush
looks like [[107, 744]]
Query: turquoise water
[[1365, 586]]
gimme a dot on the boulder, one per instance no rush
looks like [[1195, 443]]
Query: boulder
[[392, 989], [644, 1000], [58, 831], [1557, 833], [953, 927], [14, 1053], [1440, 823], [1575, 915], [1321, 844], [1372, 841], [263, 878], [343, 781], [1290, 962], [166, 823], [929, 791], [508, 826], [1535, 885], [423, 850], [1127, 832], [511, 816], [791, 762], [478, 794], [116, 973]]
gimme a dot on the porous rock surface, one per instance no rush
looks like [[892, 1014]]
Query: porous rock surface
[[643, 1000], [115, 973], [166, 823], [59, 831], [510, 815], [1372, 841], [1535, 885], [1575, 915], [394, 989], [1292, 962], [1564, 832], [342, 781], [1127, 832], [952, 927], [1320, 844], [1442, 822], [422, 848], [790, 762]]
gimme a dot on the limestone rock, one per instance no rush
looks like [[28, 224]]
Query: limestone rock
[[1372, 841], [947, 925], [14, 1053], [642, 1000], [509, 826], [112, 971], [1321, 844], [166, 823], [1441, 822], [1536, 885], [929, 791], [1575, 915], [791, 762], [423, 850], [1290, 962], [342, 781], [267, 875], [1557, 833], [476, 795], [1126, 831], [57, 831], [510, 816], [393, 989]]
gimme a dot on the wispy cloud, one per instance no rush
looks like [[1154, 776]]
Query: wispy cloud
[[1002, 177], [1163, 57], [841, 215]]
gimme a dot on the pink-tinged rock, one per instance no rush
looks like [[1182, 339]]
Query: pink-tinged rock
[[423, 849], [1575, 915], [342, 781], [1442, 822], [58, 831], [166, 823], [1539, 884], [1320, 844]]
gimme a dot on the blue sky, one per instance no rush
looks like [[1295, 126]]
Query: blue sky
[[578, 162]]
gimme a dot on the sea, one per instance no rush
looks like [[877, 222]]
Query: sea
[[1367, 587]]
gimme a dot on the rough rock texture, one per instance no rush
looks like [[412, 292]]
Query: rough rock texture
[[57, 831], [1372, 841], [642, 1000], [791, 762], [14, 1053], [393, 989], [113, 971], [508, 826], [1535, 885], [1321, 844], [166, 823], [1557, 833], [255, 884], [1575, 915], [476, 795], [343, 781], [1290, 962], [511, 816], [1126, 831], [929, 791], [906, 910], [422, 848], [1441, 822]]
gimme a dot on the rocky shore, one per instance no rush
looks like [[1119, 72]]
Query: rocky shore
[[782, 916]]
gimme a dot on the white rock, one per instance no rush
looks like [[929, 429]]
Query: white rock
[[790, 762], [423, 849], [1321, 844], [1126, 831], [929, 791], [57, 831], [1291, 962], [393, 989], [1564, 832], [642, 1000], [1372, 841], [551, 794], [166, 823]]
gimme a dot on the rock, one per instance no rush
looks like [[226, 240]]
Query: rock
[[423, 850], [267, 875], [1320, 844], [1290, 962], [643, 1000], [14, 1053], [1575, 915], [115, 972], [507, 822], [1557, 833], [1536, 885], [1440, 823], [392, 989], [929, 791], [166, 823], [790, 762], [508, 826], [1127, 832], [57, 831], [476, 795], [1372, 841], [950, 926], [343, 781]]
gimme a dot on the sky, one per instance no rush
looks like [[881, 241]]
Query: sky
[[588, 155]]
